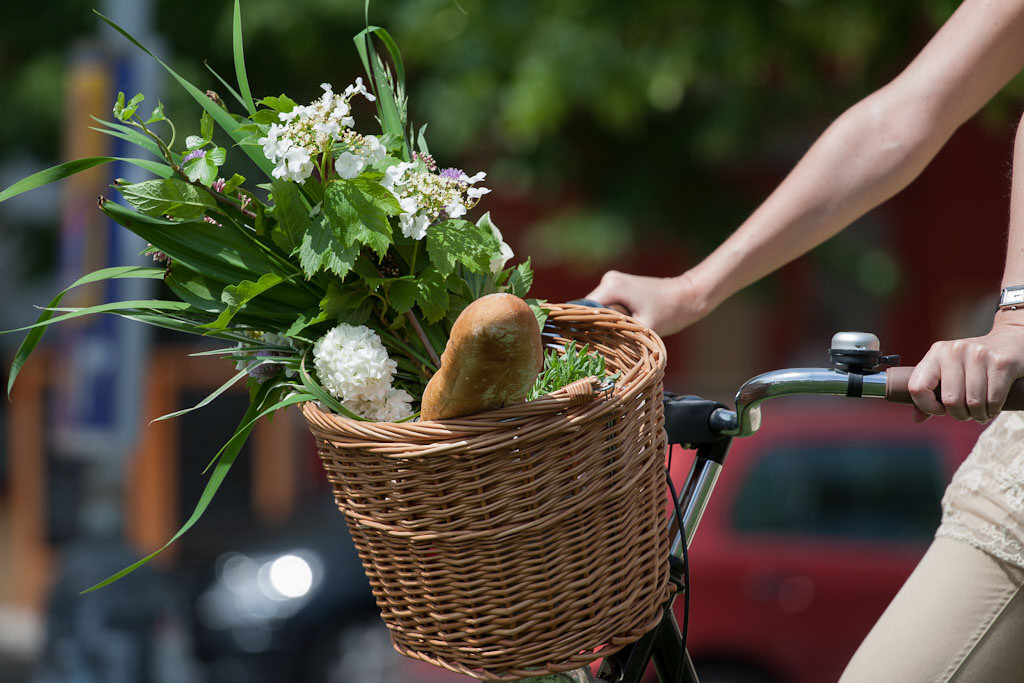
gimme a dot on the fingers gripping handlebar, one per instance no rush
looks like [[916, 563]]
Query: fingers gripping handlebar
[[898, 391]]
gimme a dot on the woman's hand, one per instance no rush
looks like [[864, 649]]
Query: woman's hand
[[975, 374], [666, 305]]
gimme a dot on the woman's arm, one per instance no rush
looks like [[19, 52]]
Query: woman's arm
[[867, 155], [976, 373]]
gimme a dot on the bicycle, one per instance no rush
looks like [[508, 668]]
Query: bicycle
[[856, 369]]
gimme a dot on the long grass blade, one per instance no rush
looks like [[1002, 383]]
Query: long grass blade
[[321, 395], [130, 134], [243, 80], [206, 401], [34, 336], [61, 171], [229, 452], [113, 307], [230, 89]]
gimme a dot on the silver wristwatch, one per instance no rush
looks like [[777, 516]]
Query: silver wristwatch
[[1011, 298]]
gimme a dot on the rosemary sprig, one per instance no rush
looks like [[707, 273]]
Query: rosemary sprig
[[560, 370]]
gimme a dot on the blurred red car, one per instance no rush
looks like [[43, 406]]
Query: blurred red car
[[815, 523]]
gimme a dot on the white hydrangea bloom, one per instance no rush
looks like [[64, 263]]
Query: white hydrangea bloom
[[358, 87], [307, 131], [455, 210], [349, 165], [414, 225], [353, 364], [372, 148], [395, 175], [395, 405]]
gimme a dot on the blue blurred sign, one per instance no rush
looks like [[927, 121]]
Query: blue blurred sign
[[101, 360]]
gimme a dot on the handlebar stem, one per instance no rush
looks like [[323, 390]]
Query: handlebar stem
[[746, 419]]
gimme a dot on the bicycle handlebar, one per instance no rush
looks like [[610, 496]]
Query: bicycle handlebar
[[896, 391], [890, 385]]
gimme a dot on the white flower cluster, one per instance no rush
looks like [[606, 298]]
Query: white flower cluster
[[306, 131], [426, 197], [354, 367], [363, 150]]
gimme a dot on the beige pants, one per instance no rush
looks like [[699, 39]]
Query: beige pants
[[959, 617]]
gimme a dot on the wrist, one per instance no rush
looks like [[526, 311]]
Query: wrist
[[1010, 316], [690, 297]]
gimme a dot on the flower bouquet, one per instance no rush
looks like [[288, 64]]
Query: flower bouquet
[[334, 279]]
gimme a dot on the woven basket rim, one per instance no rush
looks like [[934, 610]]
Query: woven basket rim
[[452, 434]]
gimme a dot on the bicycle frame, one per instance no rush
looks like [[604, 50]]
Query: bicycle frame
[[662, 645]]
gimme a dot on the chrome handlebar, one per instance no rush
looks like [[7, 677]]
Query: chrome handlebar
[[746, 419]]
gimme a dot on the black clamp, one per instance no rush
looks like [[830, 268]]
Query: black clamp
[[859, 362], [687, 419]]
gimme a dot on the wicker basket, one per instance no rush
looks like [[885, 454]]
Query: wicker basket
[[521, 541]]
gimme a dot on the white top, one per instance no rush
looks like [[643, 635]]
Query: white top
[[984, 503]]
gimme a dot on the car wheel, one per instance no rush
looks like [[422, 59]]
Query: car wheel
[[730, 673], [359, 651]]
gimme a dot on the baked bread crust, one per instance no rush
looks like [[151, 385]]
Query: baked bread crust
[[492, 359]]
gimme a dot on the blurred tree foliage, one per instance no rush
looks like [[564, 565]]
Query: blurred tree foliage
[[634, 106]]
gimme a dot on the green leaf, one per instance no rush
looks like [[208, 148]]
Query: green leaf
[[206, 125], [282, 104], [266, 116], [201, 170], [237, 296], [217, 155], [33, 338], [355, 217], [195, 142], [219, 252], [421, 141], [521, 279], [158, 114], [432, 294], [307, 319], [168, 196], [243, 81], [376, 194], [70, 168], [232, 184], [292, 217], [198, 290], [321, 249], [342, 298], [541, 313], [368, 273], [402, 294], [223, 118], [124, 111], [458, 241]]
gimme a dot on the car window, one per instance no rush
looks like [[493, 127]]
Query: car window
[[864, 490]]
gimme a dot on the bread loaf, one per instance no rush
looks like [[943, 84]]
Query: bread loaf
[[492, 359]]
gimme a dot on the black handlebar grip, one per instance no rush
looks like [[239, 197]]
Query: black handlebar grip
[[897, 390]]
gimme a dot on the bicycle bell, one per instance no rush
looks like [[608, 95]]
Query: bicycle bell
[[858, 352]]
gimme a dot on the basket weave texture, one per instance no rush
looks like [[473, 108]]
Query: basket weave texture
[[521, 541]]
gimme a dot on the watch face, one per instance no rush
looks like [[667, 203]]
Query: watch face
[[1012, 296]]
